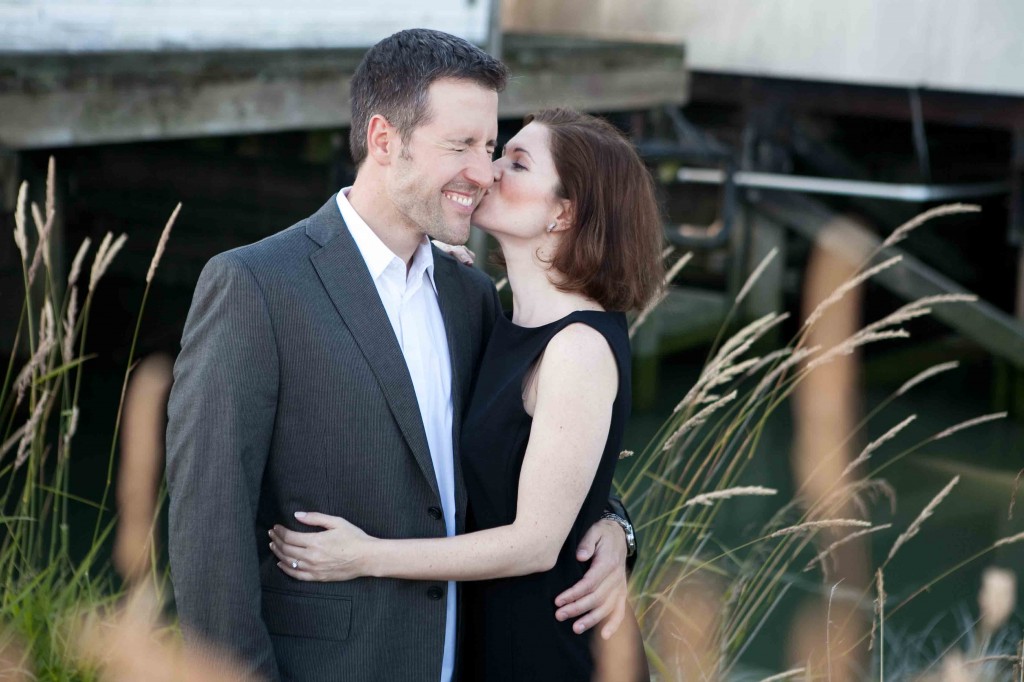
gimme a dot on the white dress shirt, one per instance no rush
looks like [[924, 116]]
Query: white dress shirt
[[410, 299]]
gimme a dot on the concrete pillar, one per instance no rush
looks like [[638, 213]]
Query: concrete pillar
[[1015, 375], [766, 295], [1016, 234], [11, 287], [10, 174]]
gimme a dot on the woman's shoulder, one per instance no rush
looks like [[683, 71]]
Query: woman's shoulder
[[596, 330], [581, 348], [578, 373]]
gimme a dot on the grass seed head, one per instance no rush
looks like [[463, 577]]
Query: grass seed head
[[162, 244], [925, 514]]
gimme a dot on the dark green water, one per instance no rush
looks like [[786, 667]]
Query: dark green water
[[986, 458]]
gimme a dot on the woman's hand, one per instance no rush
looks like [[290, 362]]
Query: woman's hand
[[601, 594], [338, 553], [458, 252]]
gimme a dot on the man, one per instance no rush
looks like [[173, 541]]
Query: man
[[327, 368]]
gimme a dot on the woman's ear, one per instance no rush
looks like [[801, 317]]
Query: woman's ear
[[380, 137], [564, 218]]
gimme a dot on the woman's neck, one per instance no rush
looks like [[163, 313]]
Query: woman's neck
[[535, 298]]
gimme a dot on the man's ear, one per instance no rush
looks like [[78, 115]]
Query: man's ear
[[381, 136]]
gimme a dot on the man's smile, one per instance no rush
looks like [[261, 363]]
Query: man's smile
[[464, 201]]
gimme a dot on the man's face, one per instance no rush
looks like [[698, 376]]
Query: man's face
[[443, 169]]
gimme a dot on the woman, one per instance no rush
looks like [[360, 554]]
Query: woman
[[573, 210]]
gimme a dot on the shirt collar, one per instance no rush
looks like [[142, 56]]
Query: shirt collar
[[376, 253]]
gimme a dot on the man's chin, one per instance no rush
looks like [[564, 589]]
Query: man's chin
[[455, 235]]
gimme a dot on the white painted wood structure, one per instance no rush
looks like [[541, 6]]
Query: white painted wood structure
[[76, 26], [956, 45]]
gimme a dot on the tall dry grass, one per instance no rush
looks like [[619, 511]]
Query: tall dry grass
[[45, 586], [681, 480], [700, 604]]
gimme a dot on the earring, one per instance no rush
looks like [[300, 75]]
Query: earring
[[552, 226]]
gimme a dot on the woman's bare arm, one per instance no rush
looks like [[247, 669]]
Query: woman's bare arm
[[577, 383]]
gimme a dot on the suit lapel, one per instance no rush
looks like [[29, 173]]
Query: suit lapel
[[452, 300], [344, 275]]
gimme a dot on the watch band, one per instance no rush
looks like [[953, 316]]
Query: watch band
[[627, 528]]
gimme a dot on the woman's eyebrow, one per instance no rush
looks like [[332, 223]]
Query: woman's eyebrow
[[506, 150]]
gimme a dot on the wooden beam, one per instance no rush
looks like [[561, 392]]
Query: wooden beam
[[991, 328], [954, 108], [70, 100], [64, 101]]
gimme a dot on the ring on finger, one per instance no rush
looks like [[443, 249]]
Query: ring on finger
[[295, 563]]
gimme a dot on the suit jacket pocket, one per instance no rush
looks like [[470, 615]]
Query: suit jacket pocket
[[297, 614]]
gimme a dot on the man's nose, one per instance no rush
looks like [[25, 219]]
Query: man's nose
[[479, 171]]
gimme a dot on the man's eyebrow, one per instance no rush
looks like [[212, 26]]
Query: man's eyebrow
[[506, 150], [470, 141]]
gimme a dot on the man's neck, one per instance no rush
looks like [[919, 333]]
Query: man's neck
[[372, 204]]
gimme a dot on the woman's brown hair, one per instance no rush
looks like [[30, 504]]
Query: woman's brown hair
[[612, 251]]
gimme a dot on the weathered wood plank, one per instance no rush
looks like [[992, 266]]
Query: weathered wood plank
[[60, 101]]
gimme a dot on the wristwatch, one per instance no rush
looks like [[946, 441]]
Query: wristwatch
[[627, 528]]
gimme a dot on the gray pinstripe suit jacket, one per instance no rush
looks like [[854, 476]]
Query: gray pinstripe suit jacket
[[291, 393]]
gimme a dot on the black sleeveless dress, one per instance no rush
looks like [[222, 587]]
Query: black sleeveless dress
[[509, 627]]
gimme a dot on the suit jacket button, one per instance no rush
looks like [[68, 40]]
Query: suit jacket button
[[435, 593], [435, 512]]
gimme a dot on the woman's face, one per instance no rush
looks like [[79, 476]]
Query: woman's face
[[522, 201]]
